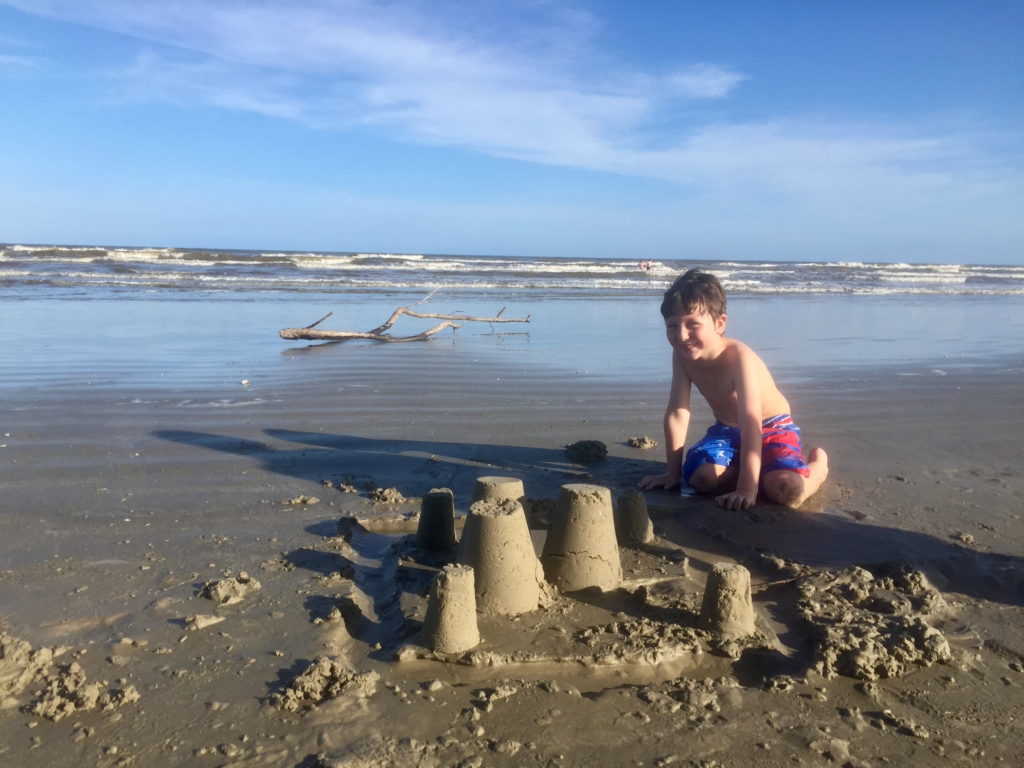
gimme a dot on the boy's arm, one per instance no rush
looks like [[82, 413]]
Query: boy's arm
[[748, 405], [677, 422]]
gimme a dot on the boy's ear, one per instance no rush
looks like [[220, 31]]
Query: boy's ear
[[720, 324]]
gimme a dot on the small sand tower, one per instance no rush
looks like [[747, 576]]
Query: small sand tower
[[496, 543], [436, 529], [581, 549], [450, 623], [496, 489], [632, 523], [727, 610]]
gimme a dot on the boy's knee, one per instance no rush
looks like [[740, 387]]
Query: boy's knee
[[784, 488], [704, 479]]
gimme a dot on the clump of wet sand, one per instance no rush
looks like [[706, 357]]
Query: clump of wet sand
[[231, 590], [386, 496], [644, 443], [586, 451], [325, 678]]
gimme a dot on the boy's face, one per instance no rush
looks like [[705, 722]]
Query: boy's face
[[695, 334]]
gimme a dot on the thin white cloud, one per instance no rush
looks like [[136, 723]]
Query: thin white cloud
[[542, 91], [15, 61]]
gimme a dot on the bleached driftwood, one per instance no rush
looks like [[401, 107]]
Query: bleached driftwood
[[380, 333]]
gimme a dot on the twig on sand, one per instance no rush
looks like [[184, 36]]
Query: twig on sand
[[380, 333]]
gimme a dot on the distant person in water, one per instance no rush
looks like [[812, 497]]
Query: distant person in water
[[754, 444]]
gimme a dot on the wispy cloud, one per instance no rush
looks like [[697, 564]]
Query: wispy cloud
[[536, 87], [15, 61]]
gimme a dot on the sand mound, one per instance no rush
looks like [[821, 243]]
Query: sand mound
[[325, 678], [727, 611], [231, 590], [386, 496], [586, 451], [581, 549], [20, 666], [632, 523], [870, 628], [644, 443], [496, 543], [450, 623]]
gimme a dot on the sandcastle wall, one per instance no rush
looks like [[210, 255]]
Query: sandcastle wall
[[496, 543], [436, 529], [581, 549], [632, 523], [727, 610], [450, 624]]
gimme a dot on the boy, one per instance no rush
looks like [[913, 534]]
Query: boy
[[754, 442]]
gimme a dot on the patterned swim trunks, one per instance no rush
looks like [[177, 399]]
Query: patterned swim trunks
[[780, 447]]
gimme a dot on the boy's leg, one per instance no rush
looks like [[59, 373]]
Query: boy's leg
[[714, 478], [791, 489]]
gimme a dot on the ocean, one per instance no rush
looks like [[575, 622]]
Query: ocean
[[187, 319], [24, 269]]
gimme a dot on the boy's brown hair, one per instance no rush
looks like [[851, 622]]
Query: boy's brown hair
[[694, 291]]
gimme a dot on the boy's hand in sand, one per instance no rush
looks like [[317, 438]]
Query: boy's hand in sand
[[659, 481], [736, 500]]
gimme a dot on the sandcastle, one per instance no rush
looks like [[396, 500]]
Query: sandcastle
[[436, 529], [727, 610], [632, 523], [450, 623], [581, 549], [496, 489], [496, 543]]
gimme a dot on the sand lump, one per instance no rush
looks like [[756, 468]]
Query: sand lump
[[632, 522], [644, 443], [586, 451], [230, 590], [386, 496], [727, 610], [20, 666], [450, 623], [870, 628], [67, 692], [325, 678], [641, 640], [436, 527], [303, 499]]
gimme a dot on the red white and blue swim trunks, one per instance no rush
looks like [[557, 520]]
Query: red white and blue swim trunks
[[780, 447]]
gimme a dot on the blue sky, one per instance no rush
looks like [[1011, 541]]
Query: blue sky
[[870, 131]]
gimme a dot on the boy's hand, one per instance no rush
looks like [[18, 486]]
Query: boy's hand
[[659, 481], [736, 500]]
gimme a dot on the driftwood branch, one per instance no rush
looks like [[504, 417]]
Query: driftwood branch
[[380, 333]]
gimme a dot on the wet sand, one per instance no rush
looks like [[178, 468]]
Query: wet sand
[[119, 505]]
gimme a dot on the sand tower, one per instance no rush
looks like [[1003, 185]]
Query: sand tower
[[581, 549], [450, 623], [496, 489], [632, 523], [496, 543], [727, 610], [436, 529]]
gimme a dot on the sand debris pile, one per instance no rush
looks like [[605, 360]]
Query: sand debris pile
[[67, 692], [386, 496], [302, 499], [20, 666], [581, 549], [230, 590], [644, 443], [870, 628], [450, 624], [345, 486], [632, 523], [641, 640], [497, 489], [697, 699], [496, 543], [586, 451], [325, 678], [436, 527]]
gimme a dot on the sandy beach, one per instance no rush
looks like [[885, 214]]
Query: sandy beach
[[121, 503]]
